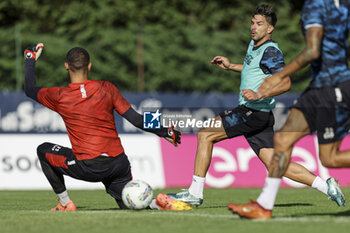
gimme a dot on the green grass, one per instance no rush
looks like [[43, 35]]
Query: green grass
[[296, 210]]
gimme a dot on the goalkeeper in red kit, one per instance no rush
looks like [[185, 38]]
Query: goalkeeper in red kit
[[87, 107]]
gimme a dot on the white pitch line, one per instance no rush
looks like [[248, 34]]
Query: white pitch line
[[189, 214], [136, 213], [196, 214], [275, 219]]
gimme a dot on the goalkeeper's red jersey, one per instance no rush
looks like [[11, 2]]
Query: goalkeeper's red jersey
[[87, 111]]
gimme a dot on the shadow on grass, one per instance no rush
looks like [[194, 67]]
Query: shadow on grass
[[210, 207], [345, 213], [85, 208], [293, 204]]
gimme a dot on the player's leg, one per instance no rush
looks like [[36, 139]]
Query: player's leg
[[48, 157], [238, 121], [57, 161], [330, 154], [294, 171], [330, 135], [333, 126], [300, 174], [205, 139], [118, 176], [295, 127], [262, 144], [332, 157]]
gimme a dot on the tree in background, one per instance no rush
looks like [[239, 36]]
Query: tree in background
[[180, 37]]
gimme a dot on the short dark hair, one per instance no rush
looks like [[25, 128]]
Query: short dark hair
[[78, 59], [266, 11]]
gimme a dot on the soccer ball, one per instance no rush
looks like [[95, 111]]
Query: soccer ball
[[137, 194]]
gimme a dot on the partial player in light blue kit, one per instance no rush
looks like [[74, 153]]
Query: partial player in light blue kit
[[253, 117]]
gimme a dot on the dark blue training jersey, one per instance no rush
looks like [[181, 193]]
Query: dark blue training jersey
[[331, 67], [272, 60]]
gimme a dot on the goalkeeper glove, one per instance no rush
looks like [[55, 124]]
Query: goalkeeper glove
[[173, 136], [33, 51]]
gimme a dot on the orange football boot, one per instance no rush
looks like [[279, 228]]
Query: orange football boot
[[70, 206], [251, 210], [164, 202]]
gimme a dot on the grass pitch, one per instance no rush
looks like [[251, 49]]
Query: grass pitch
[[296, 210]]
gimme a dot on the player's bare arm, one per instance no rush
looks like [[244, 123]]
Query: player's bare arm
[[225, 64], [311, 52], [279, 89]]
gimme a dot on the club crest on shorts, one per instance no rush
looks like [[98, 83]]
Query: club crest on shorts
[[329, 133]]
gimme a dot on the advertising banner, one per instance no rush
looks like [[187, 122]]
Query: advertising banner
[[234, 164], [25, 124], [21, 115], [159, 163], [20, 168]]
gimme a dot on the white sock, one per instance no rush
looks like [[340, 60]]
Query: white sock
[[153, 205], [320, 185], [197, 186], [63, 198], [268, 195]]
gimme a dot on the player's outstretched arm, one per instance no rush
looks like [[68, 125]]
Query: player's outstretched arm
[[279, 89], [31, 54], [170, 134], [225, 64], [311, 52]]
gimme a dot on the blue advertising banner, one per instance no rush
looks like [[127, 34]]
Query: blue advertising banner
[[20, 114]]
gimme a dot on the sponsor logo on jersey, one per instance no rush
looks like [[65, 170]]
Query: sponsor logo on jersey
[[248, 59]]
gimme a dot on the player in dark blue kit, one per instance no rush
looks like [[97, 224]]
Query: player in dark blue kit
[[323, 107]]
